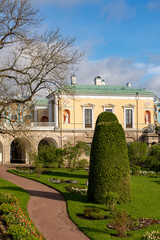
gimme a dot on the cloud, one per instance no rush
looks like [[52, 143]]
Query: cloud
[[154, 5], [118, 10], [64, 3], [119, 71]]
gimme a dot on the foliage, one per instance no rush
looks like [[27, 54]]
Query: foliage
[[6, 208], [106, 117], [120, 222], [17, 232], [7, 198], [18, 225], [137, 153], [94, 213], [109, 163], [153, 158], [82, 163], [73, 153], [151, 235], [50, 156], [136, 170], [111, 199]]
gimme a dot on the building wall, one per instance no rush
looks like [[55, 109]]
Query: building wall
[[75, 107]]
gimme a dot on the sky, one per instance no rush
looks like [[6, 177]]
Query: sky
[[120, 38]]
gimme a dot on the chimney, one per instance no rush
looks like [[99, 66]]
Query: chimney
[[98, 80], [73, 79], [128, 85]]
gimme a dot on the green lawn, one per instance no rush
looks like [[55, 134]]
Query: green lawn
[[145, 202], [18, 192]]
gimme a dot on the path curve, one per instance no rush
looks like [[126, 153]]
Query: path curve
[[46, 208]]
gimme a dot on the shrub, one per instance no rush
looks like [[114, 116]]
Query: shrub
[[153, 158], [82, 163], [120, 222], [94, 213], [109, 163], [137, 153], [106, 117], [111, 198], [17, 232], [136, 170]]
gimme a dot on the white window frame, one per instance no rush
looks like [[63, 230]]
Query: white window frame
[[108, 106], [133, 123], [88, 107]]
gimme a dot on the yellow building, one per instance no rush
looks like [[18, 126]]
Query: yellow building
[[78, 110], [70, 116]]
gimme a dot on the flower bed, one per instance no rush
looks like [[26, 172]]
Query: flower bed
[[17, 224], [62, 181], [80, 190], [139, 223], [151, 235]]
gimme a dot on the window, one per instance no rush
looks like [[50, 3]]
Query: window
[[129, 118], [108, 107], [88, 117], [128, 110], [108, 110]]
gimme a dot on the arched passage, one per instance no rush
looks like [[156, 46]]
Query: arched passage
[[1, 153], [18, 150], [48, 142]]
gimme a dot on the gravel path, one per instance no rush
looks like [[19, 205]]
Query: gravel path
[[47, 209]]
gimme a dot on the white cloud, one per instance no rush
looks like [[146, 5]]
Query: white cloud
[[113, 70], [118, 10], [119, 71]]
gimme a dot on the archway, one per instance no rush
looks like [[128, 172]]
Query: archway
[[18, 150], [48, 142]]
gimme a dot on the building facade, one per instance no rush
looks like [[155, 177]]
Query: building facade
[[70, 115]]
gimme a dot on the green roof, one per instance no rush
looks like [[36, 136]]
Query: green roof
[[107, 89], [42, 102]]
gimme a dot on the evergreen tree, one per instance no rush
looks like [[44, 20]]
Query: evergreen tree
[[109, 163]]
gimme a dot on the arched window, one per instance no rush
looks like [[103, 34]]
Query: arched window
[[66, 116], [44, 119], [147, 117]]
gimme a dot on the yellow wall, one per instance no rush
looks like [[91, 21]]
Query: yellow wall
[[76, 110]]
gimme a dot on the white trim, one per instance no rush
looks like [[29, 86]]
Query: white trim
[[40, 107], [133, 123], [110, 97], [92, 108], [104, 109]]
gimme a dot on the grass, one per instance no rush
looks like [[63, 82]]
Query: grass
[[145, 202], [21, 194]]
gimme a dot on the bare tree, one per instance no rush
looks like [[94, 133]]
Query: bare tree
[[30, 62]]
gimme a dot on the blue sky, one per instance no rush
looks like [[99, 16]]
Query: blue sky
[[121, 38]]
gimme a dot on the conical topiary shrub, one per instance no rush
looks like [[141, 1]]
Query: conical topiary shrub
[[109, 163]]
